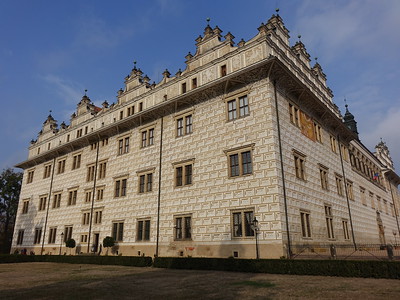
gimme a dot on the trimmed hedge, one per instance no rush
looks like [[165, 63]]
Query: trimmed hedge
[[136, 261], [342, 268]]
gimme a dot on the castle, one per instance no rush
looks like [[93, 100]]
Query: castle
[[241, 154]]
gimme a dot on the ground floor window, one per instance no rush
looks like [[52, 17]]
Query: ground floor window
[[242, 223]]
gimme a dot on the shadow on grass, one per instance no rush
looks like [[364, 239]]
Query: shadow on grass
[[155, 284]]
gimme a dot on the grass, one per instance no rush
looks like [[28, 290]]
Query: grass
[[257, 284]]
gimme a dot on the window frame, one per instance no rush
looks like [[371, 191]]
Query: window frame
[[305, 224], [72, 196], [147, 136], [186, 176], [76, 161], [25, 206], [181, 231], [61, 165], [30, 173], [243, 167], [299, 165], [120, 186], [235, 109], [117, 231], [47, 171], [184, 124], [324, 177], [240, 227], [143, 230], [56, 200], [329, 221], [123, 145], [339, 185]]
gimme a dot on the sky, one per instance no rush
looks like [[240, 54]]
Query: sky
[[51, 51]]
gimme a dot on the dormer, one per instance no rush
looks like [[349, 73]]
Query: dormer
[[318, 73], [83, 106], [50, 125], [211, 38], [300, 51], [383, 155], [134, 79], [275, 24]]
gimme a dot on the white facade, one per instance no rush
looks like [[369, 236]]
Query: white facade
[[183, 163]]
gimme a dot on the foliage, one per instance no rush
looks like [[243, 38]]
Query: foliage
[[135, 261], [342, 268], [108, 242], [10, 186], [70, 243]]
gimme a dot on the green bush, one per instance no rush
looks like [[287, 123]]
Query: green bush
[[136, 261], [343, 268]]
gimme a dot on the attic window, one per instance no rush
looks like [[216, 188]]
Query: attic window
[[48, 146], [194, 83], [223, 70], [38, 150], [183, 87], [121, 114], [86, 130], [67, 138]]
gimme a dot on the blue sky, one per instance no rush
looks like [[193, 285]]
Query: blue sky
[[51, 51]]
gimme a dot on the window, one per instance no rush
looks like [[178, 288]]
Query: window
[[47, 171], [67, 233], [318, 132], [345, 229], [223, 70], [123, 145], [88, 196], [240, 161], [52, 235], [147, 137], [305, 224], [118, 231], [183, 228], [42, 203], [120, 188], [38, 235], [329, 221], [339, 184], [68, 138], [86, 218], [242, 223], [333, 144], [194, 83], [72, 197], [20, 238], [323, 172], [90, 173], [183, 87], [104, 142], [238, 108], [371, 198], [86, 129], [184, 125], [362, 195], [98, 215], [378, 200], [392, 209], [299, 164], [100, 194], [76, 161], [349, 187], [140, 106], [145, 182], [345, 152], [84, 238], [79, 133], [102, 169], [30, 176], [143, 230], [294, 114], [183, 173], [131, 110], [25, 207], [121, 114], [385, 206], [61, 166], [57, 200], [93, 146]]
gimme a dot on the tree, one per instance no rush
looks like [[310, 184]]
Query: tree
[[10, 187], [108, 242], [70, 244]]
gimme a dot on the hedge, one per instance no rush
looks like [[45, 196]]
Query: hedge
[[136, 261], [342, 268]]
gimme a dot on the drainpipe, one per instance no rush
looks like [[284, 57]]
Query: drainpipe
[[48, 205], [347, 195], [93, 195], [282, 172], [159, 188]]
